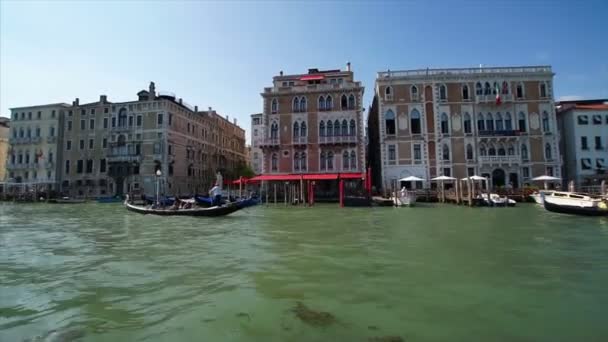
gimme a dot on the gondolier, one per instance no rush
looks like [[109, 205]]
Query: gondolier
[[216, 194]]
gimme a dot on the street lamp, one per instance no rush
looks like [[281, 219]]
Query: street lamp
[[158, 174]]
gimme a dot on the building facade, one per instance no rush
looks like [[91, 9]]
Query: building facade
[[584, 140], [312, 123], [257, 137], [4, 134], [494, 122], [34, 137], [106, 148]]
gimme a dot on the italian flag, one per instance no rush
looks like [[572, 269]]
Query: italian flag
[[498, 100]]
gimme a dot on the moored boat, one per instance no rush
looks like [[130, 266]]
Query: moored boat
[[573, 203], [404, 198], [67, 200], [382, 202], [537, 196], [193, 210]]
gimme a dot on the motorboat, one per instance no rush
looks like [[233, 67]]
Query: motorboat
[[537, 195], [495, 200], [382, 202], [404, 198], [575, 203], [188, 209]]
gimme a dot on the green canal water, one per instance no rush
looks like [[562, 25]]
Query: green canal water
[[95, 272]]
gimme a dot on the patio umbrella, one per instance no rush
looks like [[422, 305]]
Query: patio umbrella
[[443, 178], [546, 179], [411, 179]]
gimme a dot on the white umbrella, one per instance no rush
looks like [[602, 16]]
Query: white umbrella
[[474, 178], [411, 179], [443, 178], [546, 178]]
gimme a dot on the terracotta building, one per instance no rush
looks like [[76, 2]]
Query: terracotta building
[[495, 122], [312, 123], [4, 134]]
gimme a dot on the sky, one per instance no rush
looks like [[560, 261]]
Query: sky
[[222, 54]]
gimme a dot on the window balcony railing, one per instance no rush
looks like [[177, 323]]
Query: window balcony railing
[[338, 139], [300, 140], [36, 140], [118, 129], [20, 140], [500, 133], [51, 139], [49, 165], [508, 159], [268, 142], [490, 98], [123, 158]]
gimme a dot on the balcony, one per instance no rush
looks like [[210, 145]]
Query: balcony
[[348, 139], [491, 98], [21, 140], [513, 159], [120, 129], [300, 140], [120, 157], [269, 142], [49, 165], [501, 133], [51, 140], [312, 87], [36, 140]]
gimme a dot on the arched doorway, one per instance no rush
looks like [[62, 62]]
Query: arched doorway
[[514, 180], [498, 177]]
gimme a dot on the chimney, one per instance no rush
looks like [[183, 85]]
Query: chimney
[[152, 90], [180, 101], [103, 98], [234, 121], [347, 66], [210, 109], [76, 102], [281, 73], [227, 118], [196, 109]]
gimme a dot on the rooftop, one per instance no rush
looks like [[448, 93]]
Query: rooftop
[[544, 69]]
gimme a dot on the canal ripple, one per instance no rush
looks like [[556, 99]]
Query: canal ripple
[[95, 272]]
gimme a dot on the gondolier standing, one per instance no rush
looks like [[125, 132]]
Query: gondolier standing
[[216, 194]]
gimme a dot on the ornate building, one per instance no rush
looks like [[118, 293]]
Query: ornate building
[[495, 122], [312, 123]]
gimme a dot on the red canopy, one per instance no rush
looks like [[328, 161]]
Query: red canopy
[[308, 176], [312, 78], [276, 178]]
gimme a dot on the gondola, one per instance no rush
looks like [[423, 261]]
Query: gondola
[[222, 210]]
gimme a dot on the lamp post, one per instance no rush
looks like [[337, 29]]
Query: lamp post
[[158, 174]]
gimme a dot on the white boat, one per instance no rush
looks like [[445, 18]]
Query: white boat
[[574, 203], [495, 200], [537, 196], [404, 199]]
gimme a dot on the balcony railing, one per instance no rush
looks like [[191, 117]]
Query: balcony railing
[[460, 71], [337, 139], [49, 165], [51, 140], [500, 159], [313, 87], [20, 140], [300, 140], [124, 158], [118, 129], [269, 142], [491, 98], [36, 140], [501, 133]]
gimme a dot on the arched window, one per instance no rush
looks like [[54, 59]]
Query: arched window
[[303, 161], [465, 92], [322, 129], [329, 103], [478, 89], [524, 152], [303, 104], [321, 103], [351, 101], [274, 162], [330, 160], [487, 90], [505, 87], [122, 117], [489, 122], [501, 150], [345, 159], [323, 160], [389, 120], [415, 121], [330, 128], [274, 107], [353, 128], [494, 88], [343, 102], [522, 122], [443, 92], [296, 130], [296, 161], [508, 122], [469, 152], [27, 157], [21, 132], [548, 151], [467, 123], [337, 128], [519, 90], [546, 127], [499, 123], [274, 130], [29, 132], [511, 150], [445, 152], [481, 126], [444, 123], [414, 93], [483, 151], [353, 160], [492, 150], [543, 89], [388, 93], [344, 128], [303, 129], [296, 104]]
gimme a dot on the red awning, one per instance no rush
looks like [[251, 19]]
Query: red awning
[[275, 178], [352, 175], [312, 77], [308, 176], [321, 176]]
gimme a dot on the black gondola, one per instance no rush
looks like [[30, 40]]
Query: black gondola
[[222, 210]]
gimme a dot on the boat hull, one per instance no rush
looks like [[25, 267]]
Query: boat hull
[[208, 212], [574, 210]]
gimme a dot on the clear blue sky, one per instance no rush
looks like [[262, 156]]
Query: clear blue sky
[[223, 54]]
